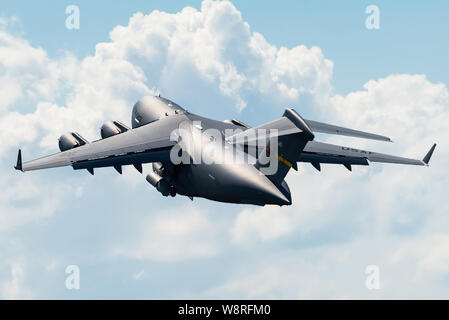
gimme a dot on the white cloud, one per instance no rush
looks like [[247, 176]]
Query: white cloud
[[268, 224], [430, 254], [409, 269], [14, 288], [313, 193], [172, 236], [411, 110], [385, 201], [408, 107], [212, 51], [188, 50], [218, 45], [29, 199], [139, 275], [414, 112], [28, 75], [212, 46]]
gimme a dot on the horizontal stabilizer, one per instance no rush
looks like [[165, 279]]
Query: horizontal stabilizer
[[292, 123], [321, 127]]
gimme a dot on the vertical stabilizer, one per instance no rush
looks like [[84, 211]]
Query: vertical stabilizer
[[290, 146]]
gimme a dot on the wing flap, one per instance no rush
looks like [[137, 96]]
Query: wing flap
[[154, 155], [334, 159]]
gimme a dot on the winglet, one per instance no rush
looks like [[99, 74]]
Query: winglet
[[19, 161], [426, 159]]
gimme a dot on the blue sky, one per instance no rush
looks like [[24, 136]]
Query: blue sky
[[225, 60], [410, 31]]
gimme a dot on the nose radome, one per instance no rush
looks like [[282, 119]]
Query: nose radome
[[264, 188], [275, 195]]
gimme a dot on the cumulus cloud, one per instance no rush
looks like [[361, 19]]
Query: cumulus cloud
[[216, 48], [385, 201], [14, 288], [338, 271], [41, 98], [213, 47], [430, 254], [27, 73], [312, 194], [174, 236], [212, 53], [414, 112], [407, 107], [29, 199]]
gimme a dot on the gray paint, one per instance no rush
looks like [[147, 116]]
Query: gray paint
[[154, 119]]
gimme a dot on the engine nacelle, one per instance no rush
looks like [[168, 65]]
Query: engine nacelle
[[158, 168], [112, 128], [237, 123], [70, 140], [164, 170], [160, 184]]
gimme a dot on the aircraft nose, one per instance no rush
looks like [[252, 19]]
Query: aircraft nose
[[274, 195], [259, 188]]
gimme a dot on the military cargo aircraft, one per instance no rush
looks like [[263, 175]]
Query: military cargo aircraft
[[256, 159]]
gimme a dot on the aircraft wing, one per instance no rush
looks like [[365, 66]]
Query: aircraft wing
[[318, 152], [150, 143]]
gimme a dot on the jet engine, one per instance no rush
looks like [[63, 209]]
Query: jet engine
[[157, 179], [112, 128], [70, 140], [160, 184]]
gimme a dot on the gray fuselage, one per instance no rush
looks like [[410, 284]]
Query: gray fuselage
[[230, 182]]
